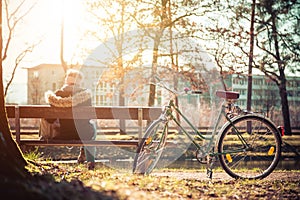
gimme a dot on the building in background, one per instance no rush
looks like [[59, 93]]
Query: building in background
[[105, 88], [104, 91], [265, 95], [42, 78], [265, 92]]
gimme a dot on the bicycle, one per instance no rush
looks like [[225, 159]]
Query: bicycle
[[245, 138]]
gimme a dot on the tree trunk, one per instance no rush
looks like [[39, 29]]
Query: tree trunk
[[249, 89], [152, 89], [284, 105], [11, 159], [282, 81], [122, 103], [12, 162], [157, 39], [62, 60]]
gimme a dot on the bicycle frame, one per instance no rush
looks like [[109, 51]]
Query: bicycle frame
[[171, 106], [245, 136], [227, 104]]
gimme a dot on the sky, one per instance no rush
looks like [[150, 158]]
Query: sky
[[42, 26]]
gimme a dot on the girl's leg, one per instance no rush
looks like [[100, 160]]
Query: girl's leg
[[90, 153]]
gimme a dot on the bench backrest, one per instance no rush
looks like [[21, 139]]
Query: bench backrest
[[88, 112], [85, 112]]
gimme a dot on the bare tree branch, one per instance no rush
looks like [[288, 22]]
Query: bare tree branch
[[18, 60], [12, 22]]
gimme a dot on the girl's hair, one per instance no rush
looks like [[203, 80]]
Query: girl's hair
[[74, 76]]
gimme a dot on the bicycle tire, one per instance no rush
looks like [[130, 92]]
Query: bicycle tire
[[261, 158], [150, 148]]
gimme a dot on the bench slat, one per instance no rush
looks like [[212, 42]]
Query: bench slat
[[84, 112]]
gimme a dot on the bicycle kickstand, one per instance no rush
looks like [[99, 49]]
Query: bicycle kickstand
[[210, 165]]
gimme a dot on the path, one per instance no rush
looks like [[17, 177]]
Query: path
[[288, 175]]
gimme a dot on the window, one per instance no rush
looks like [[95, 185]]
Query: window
[[269, 82], [258, 92], [104, 94], [257, 81], [241, 103], [35, 74], [290, 93], [242, 92], [239, 81]]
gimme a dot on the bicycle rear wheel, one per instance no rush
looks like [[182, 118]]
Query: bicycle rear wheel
[[249, 147], [150, 148]]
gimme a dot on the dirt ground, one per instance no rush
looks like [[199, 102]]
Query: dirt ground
[[173, 183], [284, 176]]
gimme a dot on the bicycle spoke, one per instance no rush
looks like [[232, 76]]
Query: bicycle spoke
[[261, 155], [151, 148]]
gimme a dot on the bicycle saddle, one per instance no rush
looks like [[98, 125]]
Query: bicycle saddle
[[227, 94]]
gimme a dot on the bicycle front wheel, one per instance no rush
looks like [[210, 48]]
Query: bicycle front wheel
[[150, 148], [249, 147]]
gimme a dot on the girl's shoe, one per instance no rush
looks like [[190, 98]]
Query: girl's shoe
[[91, 165], [81, 158]]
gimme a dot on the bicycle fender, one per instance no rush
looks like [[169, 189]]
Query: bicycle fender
[[242, 116]]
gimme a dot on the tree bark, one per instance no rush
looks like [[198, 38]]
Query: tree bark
[[152, 89], [282, 81], [284, 105], [249, 91], [11, 158]]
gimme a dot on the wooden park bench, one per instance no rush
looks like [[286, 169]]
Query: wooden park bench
[[105, 113]]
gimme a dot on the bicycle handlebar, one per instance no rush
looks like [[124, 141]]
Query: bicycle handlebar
[[196, 92], [186, 90]]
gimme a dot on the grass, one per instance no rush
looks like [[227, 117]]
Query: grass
[[122, 184], [33, 155], [77, 182]]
